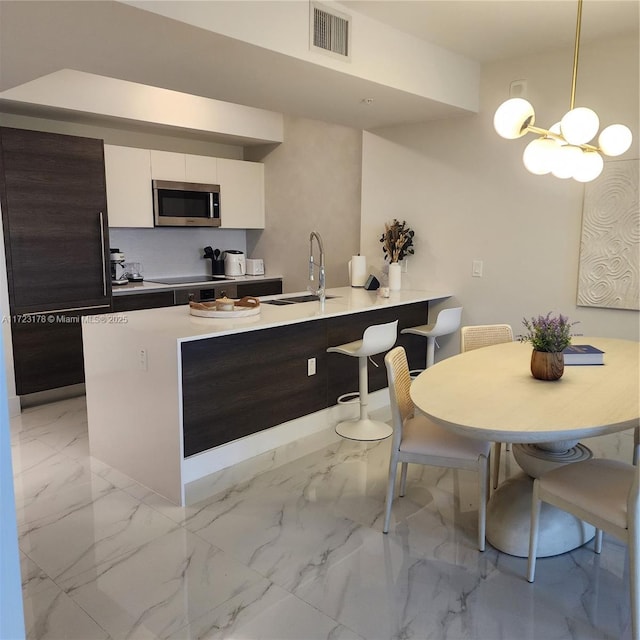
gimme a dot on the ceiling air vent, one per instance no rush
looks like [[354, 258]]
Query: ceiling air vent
[[330, 31]]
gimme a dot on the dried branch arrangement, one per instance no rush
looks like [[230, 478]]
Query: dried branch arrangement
[[397, 241]]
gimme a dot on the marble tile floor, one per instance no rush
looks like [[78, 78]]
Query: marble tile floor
[[296, 553]]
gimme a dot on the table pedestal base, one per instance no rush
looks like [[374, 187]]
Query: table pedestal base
[[536, 459], [509, 520]]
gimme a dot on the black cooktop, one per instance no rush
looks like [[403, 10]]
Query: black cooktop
[[189, 279]]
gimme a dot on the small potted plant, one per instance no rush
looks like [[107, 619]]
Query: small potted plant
[[549, 336], [397, 243]]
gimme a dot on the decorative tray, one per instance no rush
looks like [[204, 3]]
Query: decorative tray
[[242, 308]]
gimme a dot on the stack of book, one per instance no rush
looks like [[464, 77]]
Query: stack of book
[[577, 354]]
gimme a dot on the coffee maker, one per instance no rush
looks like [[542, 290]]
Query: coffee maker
[[118, 273]]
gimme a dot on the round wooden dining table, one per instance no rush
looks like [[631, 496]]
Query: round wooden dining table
[[490, 394]]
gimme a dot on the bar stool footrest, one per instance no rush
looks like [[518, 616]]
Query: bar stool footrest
[[349, 398]]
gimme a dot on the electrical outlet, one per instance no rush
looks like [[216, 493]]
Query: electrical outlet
[[311, 367], [142, 359]]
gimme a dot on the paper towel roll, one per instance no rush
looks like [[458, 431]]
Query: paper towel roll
[[358, 270]]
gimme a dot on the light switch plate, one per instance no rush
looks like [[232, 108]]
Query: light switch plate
[[476, 269]]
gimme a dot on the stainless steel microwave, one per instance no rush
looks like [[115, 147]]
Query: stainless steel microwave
[[185, 204]]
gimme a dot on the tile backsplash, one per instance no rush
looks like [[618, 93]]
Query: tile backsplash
[[174, 252]]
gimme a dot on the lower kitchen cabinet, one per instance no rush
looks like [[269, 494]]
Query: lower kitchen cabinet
[[201, 293], [259, 288], [136, 301], [47, 352]]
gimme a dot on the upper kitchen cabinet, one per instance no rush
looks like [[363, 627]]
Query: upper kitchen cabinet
[[181, 167], [201, 169], [167, 165], [241, 194], [241, 184], [128, 174]]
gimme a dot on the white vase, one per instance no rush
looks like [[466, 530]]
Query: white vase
[[395, 276]]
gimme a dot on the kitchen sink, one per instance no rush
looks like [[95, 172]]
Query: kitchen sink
[[295, 299]]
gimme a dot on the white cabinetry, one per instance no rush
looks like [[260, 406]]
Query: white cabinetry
[[201, 169], [167, 165], [181, 167], [128, 178], [241, 194], [130, 171]]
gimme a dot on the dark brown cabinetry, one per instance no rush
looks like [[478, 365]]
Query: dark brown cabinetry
[[137, 301], [53, 197], [259, 288], [239, 384], [155, 299]]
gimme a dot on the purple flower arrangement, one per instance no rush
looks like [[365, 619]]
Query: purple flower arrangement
[[547, 333]]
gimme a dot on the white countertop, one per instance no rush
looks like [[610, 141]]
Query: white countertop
[[147, 286], [177, 323]]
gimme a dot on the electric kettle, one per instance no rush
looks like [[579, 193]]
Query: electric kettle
[[234, 263]]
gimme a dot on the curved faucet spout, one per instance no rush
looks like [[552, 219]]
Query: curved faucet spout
[[320, 291]]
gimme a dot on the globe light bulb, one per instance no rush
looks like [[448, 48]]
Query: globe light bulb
[[588, 167], [513, 117], [579, 125], [539, 155], [556, 129], [566, 161], [615, 139]]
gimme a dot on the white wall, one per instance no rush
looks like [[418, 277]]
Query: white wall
[[467, 195], [312, 183], [416, 66]]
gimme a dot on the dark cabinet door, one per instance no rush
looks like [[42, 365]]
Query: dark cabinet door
[[53, 198], [258, 288], [55, 221], [47, 352], [135, 301]]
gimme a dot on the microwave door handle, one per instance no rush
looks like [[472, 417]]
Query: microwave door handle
[[211, 212]]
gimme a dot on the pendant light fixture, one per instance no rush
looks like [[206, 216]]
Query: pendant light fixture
[[566, 149]]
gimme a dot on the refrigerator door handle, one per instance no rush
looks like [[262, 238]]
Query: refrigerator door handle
[[104, 264], [66, 310]]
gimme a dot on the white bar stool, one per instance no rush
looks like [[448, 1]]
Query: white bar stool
[[377, 338], [448, 321]]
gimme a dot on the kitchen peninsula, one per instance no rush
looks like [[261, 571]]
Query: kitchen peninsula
[[172, 398]]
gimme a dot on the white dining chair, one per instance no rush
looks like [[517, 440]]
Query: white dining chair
[[417, 439], [484, 335], [605, 494]]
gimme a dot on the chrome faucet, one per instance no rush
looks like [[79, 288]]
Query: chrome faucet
[[321, 276]]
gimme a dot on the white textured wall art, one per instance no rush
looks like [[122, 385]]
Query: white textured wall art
[[609, 274]]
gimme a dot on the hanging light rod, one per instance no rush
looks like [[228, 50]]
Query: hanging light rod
[[564, 149]]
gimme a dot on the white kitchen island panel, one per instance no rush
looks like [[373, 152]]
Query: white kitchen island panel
[[134, 382]]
